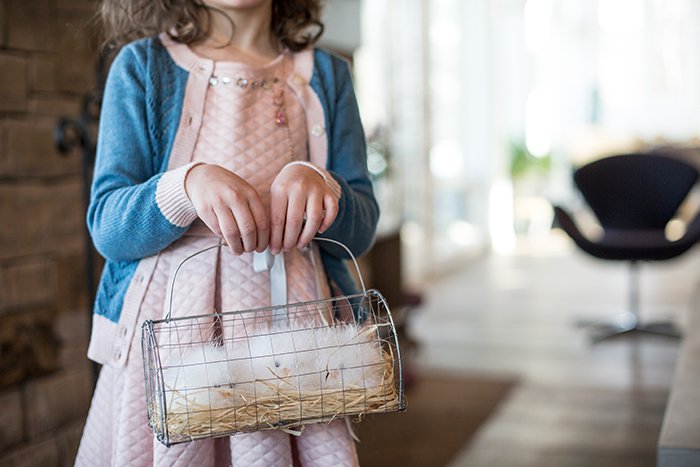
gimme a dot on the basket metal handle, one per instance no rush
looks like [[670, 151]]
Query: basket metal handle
[[222, 243], [352, 257]]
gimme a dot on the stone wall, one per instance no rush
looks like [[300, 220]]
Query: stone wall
[[47, 63]]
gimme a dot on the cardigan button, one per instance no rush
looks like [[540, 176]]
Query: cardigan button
[[317, 130], [298, 80]]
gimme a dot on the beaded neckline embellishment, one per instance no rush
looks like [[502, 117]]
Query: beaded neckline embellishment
[[243, 83], [253, 84]]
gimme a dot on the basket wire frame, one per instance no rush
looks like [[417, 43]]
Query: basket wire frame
[[223, 373]]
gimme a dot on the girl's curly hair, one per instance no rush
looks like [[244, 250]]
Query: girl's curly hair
[[296, 24]]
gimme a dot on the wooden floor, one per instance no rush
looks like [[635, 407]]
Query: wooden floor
[[417, 437], [575, 404]]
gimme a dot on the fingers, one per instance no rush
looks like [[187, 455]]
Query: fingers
[[245, 224], [330, 206], [262, 224], [302, 206], [230, 207], [210, 220], [278, 219], [295, 220], [228, 229], [221, 224], [314, 216]]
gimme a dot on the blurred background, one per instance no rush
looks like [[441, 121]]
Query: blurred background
[[477, 113]]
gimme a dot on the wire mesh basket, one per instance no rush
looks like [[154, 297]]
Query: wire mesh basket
[[233, 372]]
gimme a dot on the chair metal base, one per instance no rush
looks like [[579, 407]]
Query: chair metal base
[[628, 324]]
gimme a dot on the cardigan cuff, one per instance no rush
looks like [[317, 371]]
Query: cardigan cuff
[[333, 185], [172, 198]]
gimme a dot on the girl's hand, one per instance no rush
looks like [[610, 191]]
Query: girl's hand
[[302, 205], [229, 206]]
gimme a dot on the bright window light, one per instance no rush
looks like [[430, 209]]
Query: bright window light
[[446, 159], [620, 16], [463, 233], [538, 14], [538, 126], [501, 217]]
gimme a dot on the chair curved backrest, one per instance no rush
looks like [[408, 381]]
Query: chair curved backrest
[[635, 191]]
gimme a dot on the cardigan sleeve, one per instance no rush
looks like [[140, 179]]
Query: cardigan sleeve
[[358, 212], [134, 210]]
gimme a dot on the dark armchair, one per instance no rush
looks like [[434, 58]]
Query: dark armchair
[[633, 196]]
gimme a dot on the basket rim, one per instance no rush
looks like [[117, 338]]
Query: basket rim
[[369, 292]]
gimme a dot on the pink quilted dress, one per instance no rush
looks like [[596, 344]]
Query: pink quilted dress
[[252, 125]]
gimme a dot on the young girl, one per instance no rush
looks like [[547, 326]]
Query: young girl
[[219, 122]]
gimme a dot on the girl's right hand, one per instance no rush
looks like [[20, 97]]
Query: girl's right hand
[[229, 206]]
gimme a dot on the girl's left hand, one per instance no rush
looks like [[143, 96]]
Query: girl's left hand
[[302, 205]]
